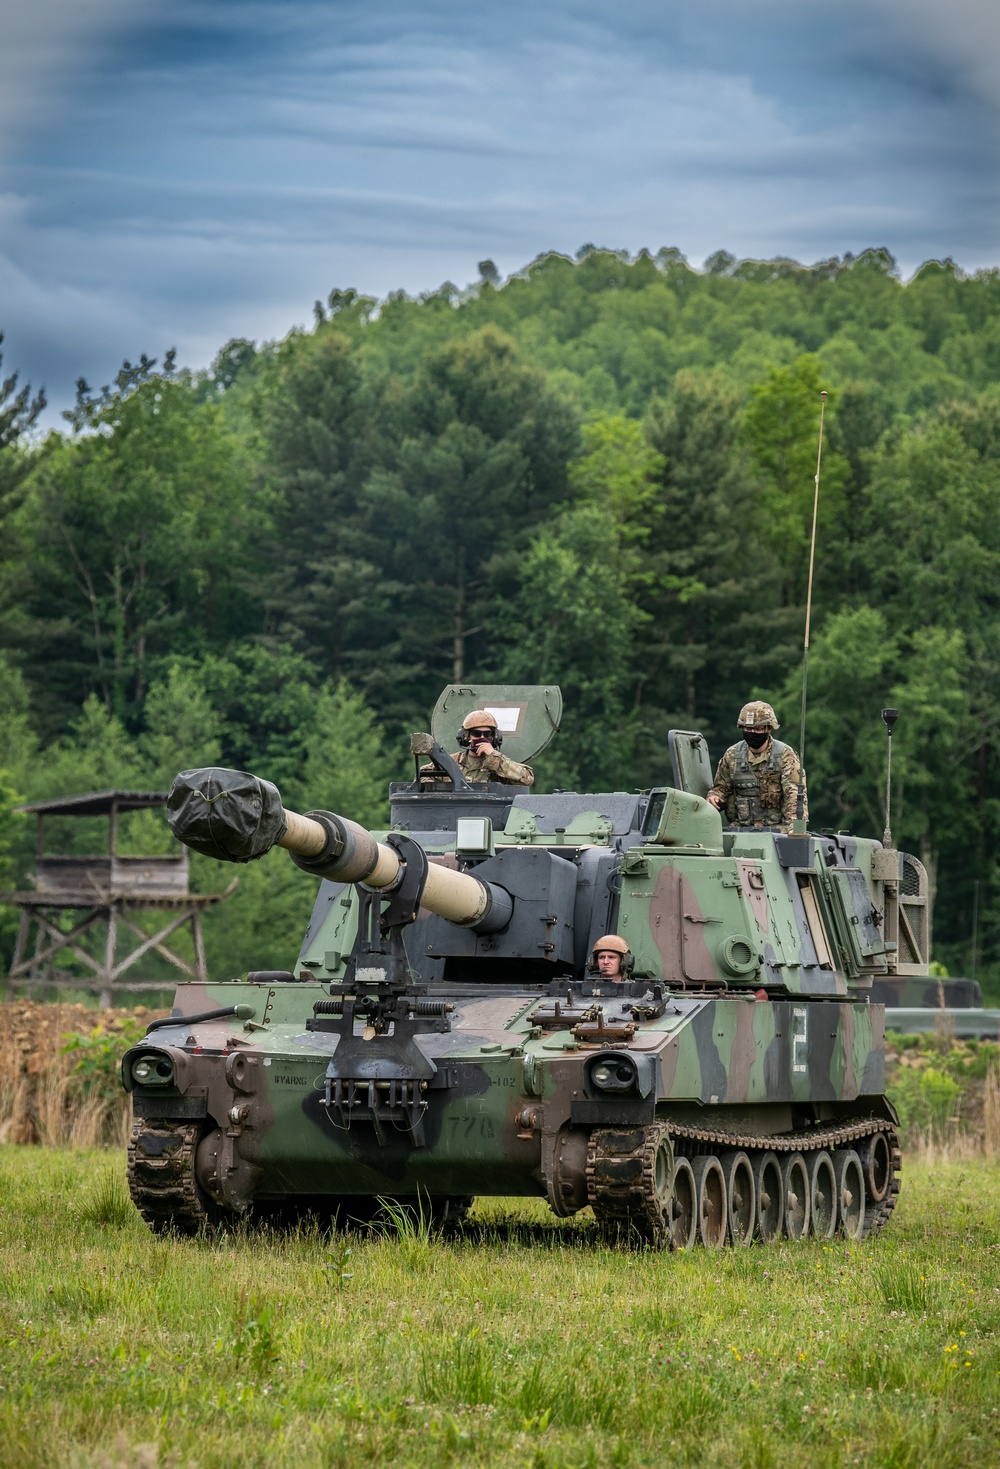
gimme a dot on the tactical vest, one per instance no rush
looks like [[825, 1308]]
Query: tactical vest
[[756, 799]]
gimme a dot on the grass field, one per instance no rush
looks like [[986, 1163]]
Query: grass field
[[524, 1342]]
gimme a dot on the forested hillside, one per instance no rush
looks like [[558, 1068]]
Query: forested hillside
[[598, 473]]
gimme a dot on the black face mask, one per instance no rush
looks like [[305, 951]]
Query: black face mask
[[755, 738]]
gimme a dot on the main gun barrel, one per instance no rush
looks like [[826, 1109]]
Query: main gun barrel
[[236, 817]]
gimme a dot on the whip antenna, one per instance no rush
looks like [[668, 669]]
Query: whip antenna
[[889, 717], [801, 801]]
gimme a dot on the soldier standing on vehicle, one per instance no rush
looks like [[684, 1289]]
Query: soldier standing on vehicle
[[757, 782], [480, 757], [611, 958]]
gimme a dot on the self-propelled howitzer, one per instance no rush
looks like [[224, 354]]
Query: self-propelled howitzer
[[443, 1035]]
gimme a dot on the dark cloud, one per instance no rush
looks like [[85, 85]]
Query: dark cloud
[[212, 167]]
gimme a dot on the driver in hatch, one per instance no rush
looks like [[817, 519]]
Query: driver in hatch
[[480, 757], [611, 958]]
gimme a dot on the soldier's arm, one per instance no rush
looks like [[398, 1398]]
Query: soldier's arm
[[723, 779], [512, 770], [790, 769]]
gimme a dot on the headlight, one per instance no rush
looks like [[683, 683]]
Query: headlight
[[614, 1074], [152, 1070]]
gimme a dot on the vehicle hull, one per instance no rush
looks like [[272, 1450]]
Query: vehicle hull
[[504, 1087]]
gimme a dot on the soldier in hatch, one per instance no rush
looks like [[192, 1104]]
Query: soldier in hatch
[[611, 958], [480, 757], [757, 782]]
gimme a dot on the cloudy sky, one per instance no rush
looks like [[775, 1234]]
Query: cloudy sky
[[180, 173]]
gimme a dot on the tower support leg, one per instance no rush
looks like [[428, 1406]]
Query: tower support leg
[[110, 945], [201, 968], [20, 943]]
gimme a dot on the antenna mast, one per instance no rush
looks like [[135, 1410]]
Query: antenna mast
[[800, 803], [889, 717]]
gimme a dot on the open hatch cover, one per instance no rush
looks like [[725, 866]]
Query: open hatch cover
[[692, 768], [528, 714]]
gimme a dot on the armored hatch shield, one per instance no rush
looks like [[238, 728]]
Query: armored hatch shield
[[692, 769], [528, 715]]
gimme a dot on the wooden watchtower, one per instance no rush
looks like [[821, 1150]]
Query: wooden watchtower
[[105, 892]]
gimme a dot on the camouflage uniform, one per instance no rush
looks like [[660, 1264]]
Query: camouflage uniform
[[775, 768], [494, 766]]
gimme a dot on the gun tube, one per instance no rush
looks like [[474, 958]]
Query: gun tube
[[341, 850]]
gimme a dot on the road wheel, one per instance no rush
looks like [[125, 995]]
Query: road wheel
[[822, 1195], [683, 1206], [770, 1196], [850, 1193], [712, 1206], [740, 1192], [875, 1153], [795, 1182]]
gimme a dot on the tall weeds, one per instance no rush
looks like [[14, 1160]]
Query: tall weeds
[[956, 1141], [58, 1073], [991, 1113]]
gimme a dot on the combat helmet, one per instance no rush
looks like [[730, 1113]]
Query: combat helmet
[[757, 715], [615, 944], [480, 719]]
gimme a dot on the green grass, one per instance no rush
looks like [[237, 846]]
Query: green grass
[[523, 1343]]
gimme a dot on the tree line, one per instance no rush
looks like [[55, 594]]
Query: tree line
[[599, 472]]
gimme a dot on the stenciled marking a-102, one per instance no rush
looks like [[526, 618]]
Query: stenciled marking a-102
[[443, 1033]]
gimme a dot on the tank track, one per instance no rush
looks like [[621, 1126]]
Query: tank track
[[621, 1181], [164, 1187], [621, 1167], [161, 1177]]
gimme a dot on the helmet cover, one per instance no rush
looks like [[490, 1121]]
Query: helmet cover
[[757, 715], [613, 942]]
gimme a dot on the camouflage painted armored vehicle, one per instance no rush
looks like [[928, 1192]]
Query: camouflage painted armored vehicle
[[445, 1032]]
